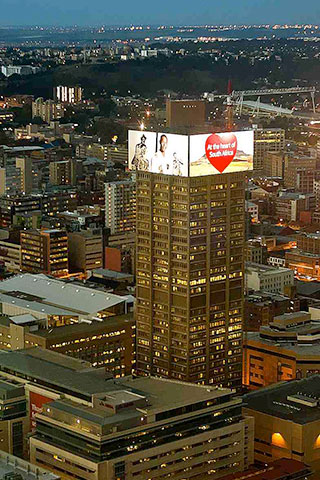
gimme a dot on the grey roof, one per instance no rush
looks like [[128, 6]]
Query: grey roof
[[10, 389], [23, 319], [307, 288], [171, 393], [22, 149], [50, 295], [273, 400], [286, 346], [293, 315], [63, 374], [116, 321], [10, 464], [111, 274], [58, 372], [34, 306], [94, 415], [264, 269]]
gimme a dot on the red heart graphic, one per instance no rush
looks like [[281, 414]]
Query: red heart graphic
[[221, 150]]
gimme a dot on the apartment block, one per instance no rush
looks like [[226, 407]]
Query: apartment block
[[120, 203]]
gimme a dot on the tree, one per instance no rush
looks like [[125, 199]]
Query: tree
[[107, 107]]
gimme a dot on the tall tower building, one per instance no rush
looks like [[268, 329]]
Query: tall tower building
[[120, 203], [189, 269]]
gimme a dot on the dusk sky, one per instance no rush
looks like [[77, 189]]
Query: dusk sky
[[177, 12]]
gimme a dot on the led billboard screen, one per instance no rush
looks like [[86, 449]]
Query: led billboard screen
[[194, 155], [158, 153], [141, 148], [221, 153]]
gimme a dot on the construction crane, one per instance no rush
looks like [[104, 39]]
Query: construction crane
[[229, 122], [236, 98]]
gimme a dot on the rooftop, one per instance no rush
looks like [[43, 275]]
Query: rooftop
[[279, 469], [10, 464], [130, 397], [113, 322], [111, 274], [65, 375], [264, 269], [10, 389], [274, 401], [315, 236], [51, 296], [292, 316], [307, 288], [55, 371], [171, 393], [265, 296], [287, 347]]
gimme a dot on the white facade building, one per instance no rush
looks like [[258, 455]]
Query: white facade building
[[266, 278]]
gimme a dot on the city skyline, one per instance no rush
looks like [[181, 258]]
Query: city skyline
[[182, 13]]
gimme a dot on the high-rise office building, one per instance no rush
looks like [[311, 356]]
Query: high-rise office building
[[266, 140], [44, 251], [189, 268]]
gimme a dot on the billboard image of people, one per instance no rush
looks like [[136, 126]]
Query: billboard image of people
[[158, 153], [221, 153], [142, 146], [171, 156]]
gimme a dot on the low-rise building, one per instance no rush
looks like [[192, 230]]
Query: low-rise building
[[10, 256], [286, 349], [14, 468], [256, 252], [152, 423], [261, 307], [309, 242], [8, 70], [289, 205], [252, 210], [304, 265], [108, 343], [133, 430], [268, 279], [287, 422], [277, 258], [281, 469], [58, 302]]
